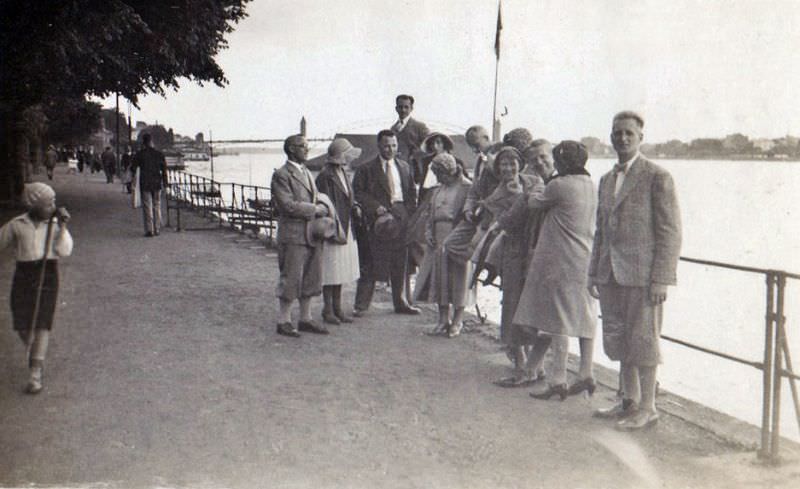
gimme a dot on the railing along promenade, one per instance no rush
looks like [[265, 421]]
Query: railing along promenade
[[249, 208]]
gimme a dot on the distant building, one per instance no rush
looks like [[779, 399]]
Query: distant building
[[763, 144]]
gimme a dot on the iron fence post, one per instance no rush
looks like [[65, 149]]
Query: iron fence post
[[766, 451]]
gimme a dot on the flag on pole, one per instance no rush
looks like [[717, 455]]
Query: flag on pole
[[497, 32]]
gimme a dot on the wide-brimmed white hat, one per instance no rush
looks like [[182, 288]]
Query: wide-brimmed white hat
[[341, 152]]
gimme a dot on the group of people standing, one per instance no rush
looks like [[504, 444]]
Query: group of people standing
[[529, 214]]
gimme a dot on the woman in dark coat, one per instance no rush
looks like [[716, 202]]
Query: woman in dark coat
[[507, 164], [339, 255]]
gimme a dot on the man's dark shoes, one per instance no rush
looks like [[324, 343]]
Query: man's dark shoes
[[344, 318], [358, 313], [408, 309], [330, 318], [286, 329], [148, 234], [311, 327]]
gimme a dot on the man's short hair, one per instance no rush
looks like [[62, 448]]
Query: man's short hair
[[537, 142], [404, 96], [386, 133], [473, 129], [289, 141], [146, 138], [519, 138], [629, 114]]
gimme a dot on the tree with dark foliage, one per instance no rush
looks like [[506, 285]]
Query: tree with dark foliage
[[68, 49]]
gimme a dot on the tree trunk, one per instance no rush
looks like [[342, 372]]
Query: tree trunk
[[13, 158]]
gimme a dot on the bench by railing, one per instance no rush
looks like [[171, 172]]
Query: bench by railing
[[241, 207]]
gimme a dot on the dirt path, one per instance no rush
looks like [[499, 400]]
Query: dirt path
[[165, 370]]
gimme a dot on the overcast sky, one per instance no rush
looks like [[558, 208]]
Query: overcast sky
[[692, 68]]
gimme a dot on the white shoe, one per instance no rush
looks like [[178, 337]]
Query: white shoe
[[35, 381]]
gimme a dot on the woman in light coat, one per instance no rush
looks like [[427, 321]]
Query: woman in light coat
[[555, 300]]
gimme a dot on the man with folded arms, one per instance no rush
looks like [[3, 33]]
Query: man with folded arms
[[295, 196], [634, 258]]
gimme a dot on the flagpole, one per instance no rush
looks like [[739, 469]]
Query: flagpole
[[495, 128], [499, 27]]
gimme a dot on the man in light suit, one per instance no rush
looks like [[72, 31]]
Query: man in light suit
[[295, 196], [634, 258], [385, 191], [410, 134]]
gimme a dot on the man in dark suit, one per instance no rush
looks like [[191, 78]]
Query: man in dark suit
[[295, 196], [410, 134], [385, 191], [634, 258], [152, 178]]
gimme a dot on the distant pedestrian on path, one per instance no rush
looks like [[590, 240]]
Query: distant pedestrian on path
[[296, 199], [109, 160], [42, 228], [634, 258], [339, 256], [152, 178], [50, 160]]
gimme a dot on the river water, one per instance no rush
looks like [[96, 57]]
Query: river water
[[739, 212]]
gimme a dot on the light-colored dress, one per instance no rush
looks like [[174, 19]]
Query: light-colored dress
[[340, 257], [555, 298], [442, 280]]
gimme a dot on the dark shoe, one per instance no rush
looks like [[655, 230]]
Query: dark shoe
[[311, 327], [621, 410], [286, 329], [359, 313], [344, 318], [587, 384], [156, 233], [330, 318], [408, 309], [148, 234], [638, 421], [440, 329], [560, 390], [515, 381]]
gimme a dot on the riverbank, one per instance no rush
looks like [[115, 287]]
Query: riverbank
[[165, 370]]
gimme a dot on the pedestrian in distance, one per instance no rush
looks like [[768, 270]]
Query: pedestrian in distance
[[339, 254], [634, 259], [109, 162], [298, 205], [153, 177], [50, 161], [39, 238]]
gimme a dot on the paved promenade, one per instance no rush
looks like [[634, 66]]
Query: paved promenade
[[165, 371]]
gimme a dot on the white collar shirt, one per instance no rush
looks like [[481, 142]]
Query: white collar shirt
[[28, 238], [396, 183], [621, 174]]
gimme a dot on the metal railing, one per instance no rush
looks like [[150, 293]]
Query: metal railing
[[776, 352], [240, 207]]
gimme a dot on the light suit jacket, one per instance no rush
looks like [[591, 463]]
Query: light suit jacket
[[638, 235], [295, 198]]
